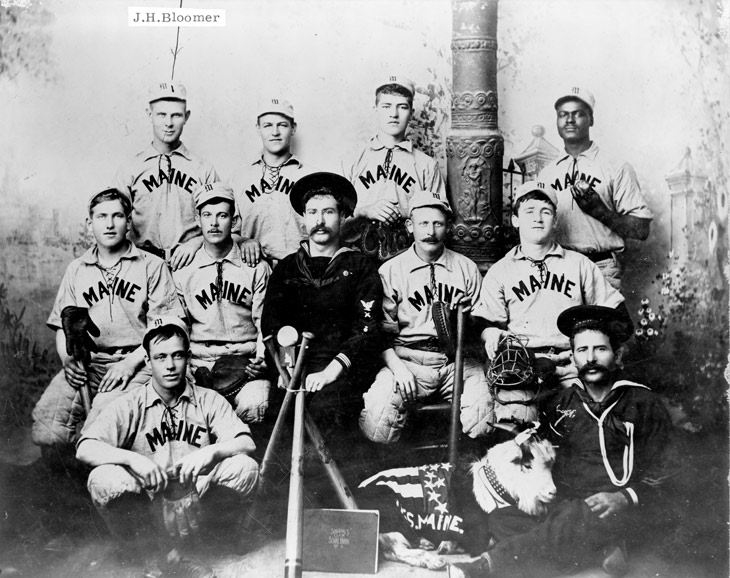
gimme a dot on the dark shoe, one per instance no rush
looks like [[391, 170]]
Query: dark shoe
[[183, 567], [615, 563], [477, 568]]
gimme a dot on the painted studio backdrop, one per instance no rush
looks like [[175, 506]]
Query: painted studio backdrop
[[73, 84]]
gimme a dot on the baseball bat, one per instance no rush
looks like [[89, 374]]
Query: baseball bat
[[295, 511], [455, 426], [86, 395]]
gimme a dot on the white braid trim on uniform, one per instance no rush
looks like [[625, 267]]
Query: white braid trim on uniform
[[628, 461]]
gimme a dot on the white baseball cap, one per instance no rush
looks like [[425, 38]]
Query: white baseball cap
[[167, 91], [535, 187], [158, 323], [406, 83], [577, 93], [275, 105], [209, 191], [428, 199]]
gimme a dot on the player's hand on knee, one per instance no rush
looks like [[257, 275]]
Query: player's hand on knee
[[152, 476], [404, 381], [117, 376], [74, 372], [251, 251], [606, 504], [492, 336], [192, 465], [383, 210]]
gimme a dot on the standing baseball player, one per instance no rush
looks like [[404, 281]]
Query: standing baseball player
[[161, 180], [525, 291], [599, 200], [268, 222], [164, 455], [117, 289], [389, 170], [417, 367], [335, 293], [224, 298]]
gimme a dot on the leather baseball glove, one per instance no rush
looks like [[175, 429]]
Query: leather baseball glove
[[181, 511], [227, 376], [78, 327]]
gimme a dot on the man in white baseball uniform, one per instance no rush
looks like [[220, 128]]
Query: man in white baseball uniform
[[161, 180], [525, 291], [599, 199], [417, 368], [122, 288], [267, 220], [224, 297]]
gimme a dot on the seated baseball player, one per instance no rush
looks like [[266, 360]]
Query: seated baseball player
[[112, 290], [223, 298], [164, 455], [525, 291], [612, 440], [417, 367], [335, 293], [161, 181], [267, 220], [388, 171]]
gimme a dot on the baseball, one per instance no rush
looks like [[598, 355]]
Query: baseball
[[287, 336]]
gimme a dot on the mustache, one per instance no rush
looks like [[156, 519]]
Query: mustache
[[320, 229], [429, 239], [591, 366]]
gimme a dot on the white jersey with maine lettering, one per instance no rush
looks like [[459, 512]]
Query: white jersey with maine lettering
[[161, 187], [264, 208], [409, 291], [122, 305], [525, 299], [409, 171], [226, 307], [614, 181]]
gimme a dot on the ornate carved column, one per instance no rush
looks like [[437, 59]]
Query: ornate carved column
[[475, 146]]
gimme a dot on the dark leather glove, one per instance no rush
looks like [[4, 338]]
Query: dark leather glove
[[77, 327], [181, 509]]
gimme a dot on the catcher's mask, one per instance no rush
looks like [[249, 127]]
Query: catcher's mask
[[511, 368]]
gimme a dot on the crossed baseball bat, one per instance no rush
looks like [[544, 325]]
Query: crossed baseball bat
[[287, 338]]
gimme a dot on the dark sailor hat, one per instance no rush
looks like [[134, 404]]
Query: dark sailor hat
[[323, 184], [606, 319]]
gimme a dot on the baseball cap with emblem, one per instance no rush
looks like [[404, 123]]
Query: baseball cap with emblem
[[167, 91], [535, 187], [577, 93], [159, 323], [428, 199], [603, 318], [406, 83], [209, 191], [275, 106], [326, 184]]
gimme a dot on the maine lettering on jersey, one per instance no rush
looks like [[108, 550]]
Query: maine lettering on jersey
[[401, 177], [552, 282], [570, 179], [176, 177], [440, 523], [283, 185], [182, 431], [444, 293], [231, 292], [120, 287]]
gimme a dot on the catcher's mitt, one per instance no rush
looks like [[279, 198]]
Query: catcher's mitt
[[227, 376], [379, 240], [512, 369], [77, 327]]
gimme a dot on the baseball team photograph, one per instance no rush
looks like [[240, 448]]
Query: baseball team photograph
[[364, 287]]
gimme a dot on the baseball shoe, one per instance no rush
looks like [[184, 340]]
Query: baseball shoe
[[615, 563], [180, 567]]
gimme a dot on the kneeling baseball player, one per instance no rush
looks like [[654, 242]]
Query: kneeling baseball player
[[164, 454]]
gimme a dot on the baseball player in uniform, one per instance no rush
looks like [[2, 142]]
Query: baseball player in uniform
[[599, 200], [525, 291], [389, 170], [224, 298], [335, 293], [122, 288], [164, 451], [161, 180], [613, 440], [262, 189], [417, 367]]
